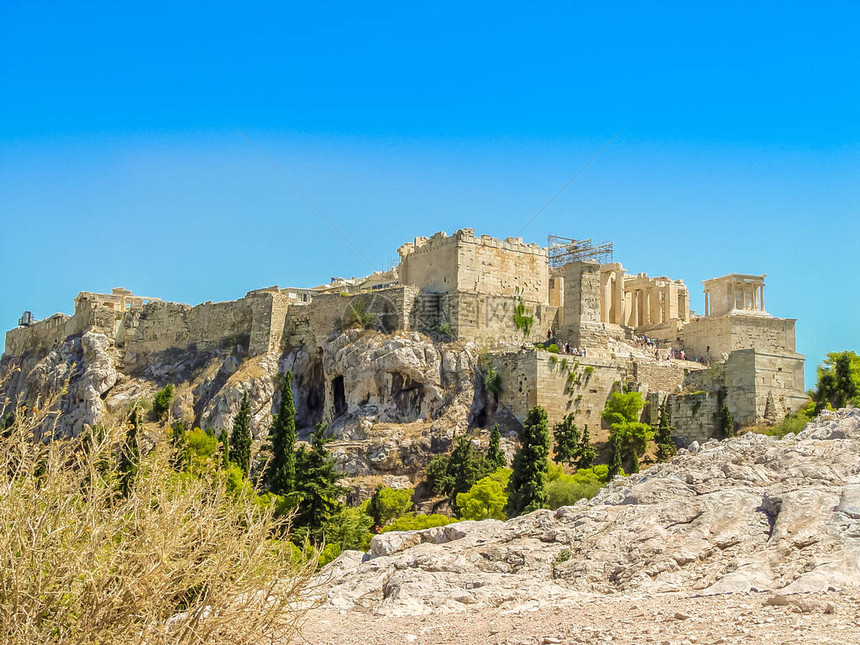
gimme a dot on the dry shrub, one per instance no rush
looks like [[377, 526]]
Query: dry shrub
[[182, 559]]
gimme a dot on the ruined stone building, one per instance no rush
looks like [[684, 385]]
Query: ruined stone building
[[495, 299]]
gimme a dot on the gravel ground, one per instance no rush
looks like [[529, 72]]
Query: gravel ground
[[671, 619]]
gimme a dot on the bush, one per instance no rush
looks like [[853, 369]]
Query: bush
[[487, 498], [552, 348], [412, 522], [387, 504], [566, 490], [493, 383], [161, 402], [179, 560]]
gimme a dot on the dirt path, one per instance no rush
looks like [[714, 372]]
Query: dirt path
[[665, 620]]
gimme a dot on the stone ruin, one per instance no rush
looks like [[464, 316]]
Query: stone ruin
[[499, 298]]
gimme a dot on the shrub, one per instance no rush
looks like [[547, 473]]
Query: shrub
[[493, 383], [838, 381], [552, 348], [522, 321], [487, 498], [387, 504], [179, 559], [566, 490], [161, 402], [413, 522]]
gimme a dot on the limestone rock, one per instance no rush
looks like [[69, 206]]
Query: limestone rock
[[752, 513]]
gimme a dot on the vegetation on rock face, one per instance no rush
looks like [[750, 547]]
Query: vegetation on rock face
[[666, 448], [493, 383], [177, 558], [522, 320], [628, 436], [527, 486], [240, 439], [161, 402]]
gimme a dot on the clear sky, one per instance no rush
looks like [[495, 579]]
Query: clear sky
[[121, 162]]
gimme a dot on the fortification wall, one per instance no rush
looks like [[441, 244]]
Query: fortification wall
[[431, 264], [490, 320], [385, 309], [503, 268], [723, 334], [763, 386], [41, 337], [694, 416]]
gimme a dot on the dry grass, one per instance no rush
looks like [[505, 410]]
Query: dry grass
[[181, 560]]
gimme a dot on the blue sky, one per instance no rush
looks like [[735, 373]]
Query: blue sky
[[121, 164]]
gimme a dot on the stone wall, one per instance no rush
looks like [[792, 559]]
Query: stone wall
[[386, 310], [724, 334], [479, 265], [41, 337]]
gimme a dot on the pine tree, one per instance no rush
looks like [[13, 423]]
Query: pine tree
[[527, 486], [587, 453], [240, 439], [280, 474], [495, 457], [663, 436], [566, 436], [374, 508], [129, 458], [316, 487], [725, 422]]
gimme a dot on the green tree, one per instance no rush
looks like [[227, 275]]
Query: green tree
[[240, 439], [316, 488], [566, 490], [567, 439], [486, 499], [615, 465], [387, 504], [628, 436], [466, 466], [281, 472], [527, 486], [838, 381], [177, 445], [129, 457], [224, 449], [437, 475], [587, 453], [495, 456], [161, 402], [725, 423], [666, 448]]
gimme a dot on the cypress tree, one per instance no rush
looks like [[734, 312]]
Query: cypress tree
[[663, 436], [374, 508], [316, 487], [240, 439], [566, 436], [280, 474], [587, 453], [465, 466], [615, 440], [726, 423], [495, 456], [527, 486], [224, 448], [129, 458]]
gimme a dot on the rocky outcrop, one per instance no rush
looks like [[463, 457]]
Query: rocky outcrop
[[745, 514], [398, 378]]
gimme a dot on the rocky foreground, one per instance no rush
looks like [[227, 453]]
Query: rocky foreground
[[694, 537]]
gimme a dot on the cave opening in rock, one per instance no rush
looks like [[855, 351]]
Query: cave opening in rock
[[339, 395], [408, 395]]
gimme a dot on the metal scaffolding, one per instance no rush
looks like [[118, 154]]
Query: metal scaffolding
[[563, 250]]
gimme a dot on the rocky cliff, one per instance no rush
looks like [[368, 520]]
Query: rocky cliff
[[752, 513]]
